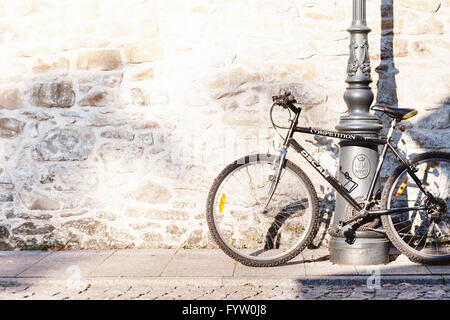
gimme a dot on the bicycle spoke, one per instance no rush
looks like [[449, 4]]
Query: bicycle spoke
[[235, 195], [243, 187]]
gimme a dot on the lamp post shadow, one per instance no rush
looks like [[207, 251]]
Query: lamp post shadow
[[386, 85]]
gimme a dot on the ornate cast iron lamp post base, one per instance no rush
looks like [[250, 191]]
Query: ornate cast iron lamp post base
[[357, 161]]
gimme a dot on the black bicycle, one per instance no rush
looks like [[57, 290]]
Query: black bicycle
[[262, 210]]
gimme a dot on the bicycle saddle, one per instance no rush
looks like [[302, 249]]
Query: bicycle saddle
[[397, 113]]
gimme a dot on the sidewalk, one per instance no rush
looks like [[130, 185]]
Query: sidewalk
[[59, 270]]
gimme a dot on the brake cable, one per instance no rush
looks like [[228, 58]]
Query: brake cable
[[275, 126]]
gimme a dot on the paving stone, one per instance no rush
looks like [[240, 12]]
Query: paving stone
[[201, 263], [394, 269], [14, 263], [295, 267], [132, 263], [66, 264], [317, 264], [328, 268], [439, 269]]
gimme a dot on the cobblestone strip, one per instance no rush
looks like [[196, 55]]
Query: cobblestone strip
[[123, 290]]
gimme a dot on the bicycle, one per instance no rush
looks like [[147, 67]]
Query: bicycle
[[262, 210]]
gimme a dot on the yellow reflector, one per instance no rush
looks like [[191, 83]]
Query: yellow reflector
[[410, 114], [402, 188], [222, 203]]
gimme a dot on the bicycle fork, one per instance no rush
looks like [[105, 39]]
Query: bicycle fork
[[276, 178], [282, 160]]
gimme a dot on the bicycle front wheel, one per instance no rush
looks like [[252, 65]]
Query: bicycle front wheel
[[422, 235], [235, 211]]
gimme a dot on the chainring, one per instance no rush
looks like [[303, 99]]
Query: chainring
[[366, 223]]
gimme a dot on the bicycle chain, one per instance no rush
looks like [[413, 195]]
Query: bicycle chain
[[362, 224]]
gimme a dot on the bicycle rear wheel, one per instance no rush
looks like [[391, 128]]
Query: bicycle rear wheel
[[243, 231], [422, 235]]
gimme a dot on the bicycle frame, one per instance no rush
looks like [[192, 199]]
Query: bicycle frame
[[387, 144]]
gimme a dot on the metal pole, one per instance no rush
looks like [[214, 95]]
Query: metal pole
[[358, 161]]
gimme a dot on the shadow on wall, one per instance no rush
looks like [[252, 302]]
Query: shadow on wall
[[430, 130], [425, 132], [386, 85]]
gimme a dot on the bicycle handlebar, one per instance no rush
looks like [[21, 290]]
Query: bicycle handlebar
[[286, 100]]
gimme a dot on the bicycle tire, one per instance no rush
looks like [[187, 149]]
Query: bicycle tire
[[388, 224], [227, 248]]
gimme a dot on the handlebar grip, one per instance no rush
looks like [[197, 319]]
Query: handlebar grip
[[285, 99]]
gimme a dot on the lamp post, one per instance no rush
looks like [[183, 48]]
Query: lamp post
[[357, 161]]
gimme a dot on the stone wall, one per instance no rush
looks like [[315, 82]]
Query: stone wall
[[115, 116]]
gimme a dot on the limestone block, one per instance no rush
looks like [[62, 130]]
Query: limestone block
[[96, 98], [149, 28], [45, 203], [115, 29], [138, 9], [98, 120], [6, 193], [113, 80], [105, 59], [45, 65], [30, 228], [10, 128], [81, 10], [120, 156], [75, 27], [149, 192], [69, 177], [432, 25], [53, 95], [144, 52], [195, 237], [174, 215], [422, 5], [422, 48], [30, 7], [89, 226], [39, 115], [10, 99], [117, 134], [145, 125], [146, 74], [83, 42], [146, 138], [64, 144], [138, 97], [4, 232]]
